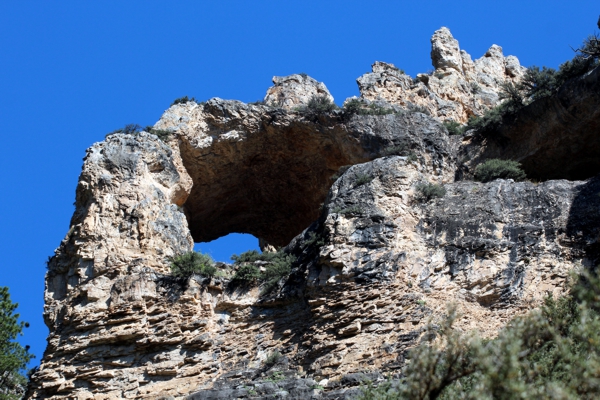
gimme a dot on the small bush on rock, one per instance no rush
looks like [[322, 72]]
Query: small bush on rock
[[129, 129], [162, 134], [429, 191], [273, 358], [277, 265], [188, 264], [362, 178], [453, 127], [499, 169], [183, 100], [320, 105]]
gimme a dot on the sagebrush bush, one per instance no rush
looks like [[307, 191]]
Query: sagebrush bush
[[190, 263], [360, 107], [362, 178], [499, 169], [162, 134], [320, 104], [183, 100], [429, 191], [273, 358], [453, 127], [277, 265]]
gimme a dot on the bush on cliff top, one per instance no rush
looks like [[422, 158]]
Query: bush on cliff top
[[499, 169], [320, 104], [551, 353], [190, 263]]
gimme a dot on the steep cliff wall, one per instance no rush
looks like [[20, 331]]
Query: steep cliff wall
[[373, 260]]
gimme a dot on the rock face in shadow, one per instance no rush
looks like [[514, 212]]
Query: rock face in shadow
[[374, 261], [557, 137]]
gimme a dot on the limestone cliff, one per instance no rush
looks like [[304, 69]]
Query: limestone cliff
[[373, 261]]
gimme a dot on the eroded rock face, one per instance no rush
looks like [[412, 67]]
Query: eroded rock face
[[373, 263], [458, 87]]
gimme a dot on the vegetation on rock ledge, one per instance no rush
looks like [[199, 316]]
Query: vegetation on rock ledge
[[191, 263], [275, 266]]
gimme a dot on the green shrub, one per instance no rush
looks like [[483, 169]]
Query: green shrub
[[429, 191], [129, 129], [453, 127], [277, 269], [414, 108], [183, 100], [253, 255], [190, 263], [13, 356], [499, 169], [353, 106], [315, 239], [475, 88], [398, 70], [273, 358], [362, 178], [247, 274], [490, 121], [400, 150], [278, 265], [162, 134], [320, 104]]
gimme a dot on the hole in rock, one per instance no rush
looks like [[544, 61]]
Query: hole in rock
[[224, 247]]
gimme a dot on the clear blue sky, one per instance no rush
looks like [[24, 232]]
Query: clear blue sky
[[71, 71]]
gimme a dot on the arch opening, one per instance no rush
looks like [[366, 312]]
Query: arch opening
[[223, 248]]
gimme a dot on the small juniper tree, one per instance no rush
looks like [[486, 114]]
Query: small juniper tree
[[190, 263], [13, 356]]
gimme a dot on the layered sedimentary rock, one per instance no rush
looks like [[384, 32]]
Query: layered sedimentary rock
[[458, 87], [374, 261]]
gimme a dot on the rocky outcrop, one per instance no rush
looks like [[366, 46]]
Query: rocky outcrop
[[553, 138], [458, 87], [374, 261], [294, 91], [242, 158]]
